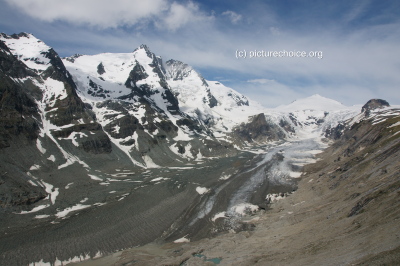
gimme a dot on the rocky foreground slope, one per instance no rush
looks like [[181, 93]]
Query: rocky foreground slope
[[345, 211]]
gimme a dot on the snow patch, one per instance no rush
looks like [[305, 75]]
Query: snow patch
[[73, 137], [244, 208], [65, 212], [274, 197], [224, 177], [219, 215], [159, 179], [294, 174], [36, 209], [58, 262], [395, 125], [52, 192], [41, 216], [39, 146], [34, 167], [93, 177], [32, 183], [202, 190], [84, 200], [182, 240], [116, 129], [149, 162]]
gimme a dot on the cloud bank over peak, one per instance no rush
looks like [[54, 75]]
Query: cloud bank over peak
[[105, 14]]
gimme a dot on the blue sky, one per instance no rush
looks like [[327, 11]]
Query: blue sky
[[359, 40]]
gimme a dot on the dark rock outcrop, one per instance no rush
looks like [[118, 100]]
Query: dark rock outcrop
[[15, 191], [18, 115], [240, 101], [136, 74], [100, 69], [259, 130], [372, 105], [97, 145], [337, 132]]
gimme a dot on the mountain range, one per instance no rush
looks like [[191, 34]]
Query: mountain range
[[85, 131]]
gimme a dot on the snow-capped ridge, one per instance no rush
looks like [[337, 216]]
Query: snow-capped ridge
[[314, 102], [30, 50], [144, 47]]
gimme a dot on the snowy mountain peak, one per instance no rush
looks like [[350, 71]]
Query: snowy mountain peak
[[144, 47], [374, 104], [313, 115], [315, 102], [145, 50], [26, 47], [19, 35]]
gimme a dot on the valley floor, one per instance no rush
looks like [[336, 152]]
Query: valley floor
[[345, 212], [165, 204]]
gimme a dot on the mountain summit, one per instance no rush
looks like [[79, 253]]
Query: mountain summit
[[314, 102]]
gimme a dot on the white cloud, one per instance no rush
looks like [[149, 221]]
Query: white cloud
[[260, 81], [101, 13], [354, 59], [179, 15], [233, 16], [112, 14], [275, 31]]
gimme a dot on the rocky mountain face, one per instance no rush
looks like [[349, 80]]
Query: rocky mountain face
[[44, 107], [142, 109], [39, 104], [369, 110], [372, 105], [258, 129]]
